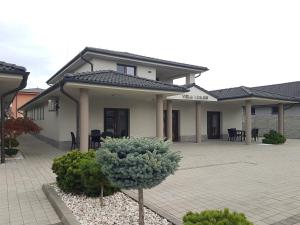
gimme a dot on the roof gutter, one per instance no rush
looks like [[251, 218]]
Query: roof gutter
[[84, 59], [3, 96], [61, 85]]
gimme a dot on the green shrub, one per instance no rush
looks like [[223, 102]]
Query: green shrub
[[273, 137], [215, 217], [137, 163], [79, 172], [11, 151], [67, 169], [132, 163], [12, 141], [92, 178]]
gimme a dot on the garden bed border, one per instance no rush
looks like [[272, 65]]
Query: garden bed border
[[67, 217], [63, 212]]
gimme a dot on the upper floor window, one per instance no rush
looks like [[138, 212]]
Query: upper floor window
[[252, 110], [126, 69]]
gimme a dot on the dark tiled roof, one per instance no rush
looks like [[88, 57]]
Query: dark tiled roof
[[129, 56], [244, 92], [145, 58], [113, 78], [11, 68], [288, 89]]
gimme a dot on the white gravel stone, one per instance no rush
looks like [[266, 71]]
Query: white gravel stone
[[117, 209]]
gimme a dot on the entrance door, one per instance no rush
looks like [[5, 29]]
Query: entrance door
[[213, 125], [116, 121], [175, 124]]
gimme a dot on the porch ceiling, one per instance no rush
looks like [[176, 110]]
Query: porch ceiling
[[9, 82], [119, 93]]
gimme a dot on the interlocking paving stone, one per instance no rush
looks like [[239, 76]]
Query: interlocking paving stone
[[292, 220], [262, 181], [21, 196]]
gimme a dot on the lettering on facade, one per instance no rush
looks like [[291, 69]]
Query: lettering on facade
[[195, 97]]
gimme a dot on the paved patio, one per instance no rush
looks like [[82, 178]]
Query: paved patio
[[22, 201], [263, 181]]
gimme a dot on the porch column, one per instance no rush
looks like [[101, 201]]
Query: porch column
[[169, 120], [280, 119], [84, 120], [190, 79], [159, 116], [248, 122], [198, 122]]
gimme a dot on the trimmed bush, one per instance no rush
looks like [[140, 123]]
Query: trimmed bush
[[11, 143], [137, 163], [215, 217], [78, 173], [92, 179], [273, 137], [11, 151], [68, 172]]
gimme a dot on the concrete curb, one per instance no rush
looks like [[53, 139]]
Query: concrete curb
[[63, 212], [155, 209]]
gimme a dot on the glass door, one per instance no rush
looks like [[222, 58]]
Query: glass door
[[116, 121], [175, 124], [213, 125]]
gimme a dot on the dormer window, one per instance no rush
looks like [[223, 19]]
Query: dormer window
[[126, 69]]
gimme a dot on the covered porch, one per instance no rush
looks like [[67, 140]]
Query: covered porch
[[248, 98]]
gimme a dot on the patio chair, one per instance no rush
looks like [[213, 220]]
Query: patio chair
[[232, 134], [73, 138], [107, 134], [95, 138], [254, 133]]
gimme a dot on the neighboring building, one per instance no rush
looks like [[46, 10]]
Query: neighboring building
[[21, 98], [265, 117], [133, 95], [12, 79]]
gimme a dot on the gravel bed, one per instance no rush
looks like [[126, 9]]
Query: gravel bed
[[117, 209]]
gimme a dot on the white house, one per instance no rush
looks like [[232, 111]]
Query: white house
[[133, 95]]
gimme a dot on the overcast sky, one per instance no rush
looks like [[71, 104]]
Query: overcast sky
[[248, 43]]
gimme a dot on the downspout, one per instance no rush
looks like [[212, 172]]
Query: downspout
[[92, 66], [198, 75], [77, 110], [21, 86]]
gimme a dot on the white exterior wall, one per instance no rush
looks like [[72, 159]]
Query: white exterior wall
[[146, 72], [100, 64], [141, 113], [58, 125], [142, 117], [49, 124], [231, 117], [66, 118]]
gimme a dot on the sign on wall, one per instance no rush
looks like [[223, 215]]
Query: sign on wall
[[194, 94]]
